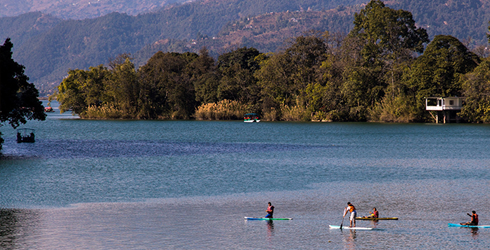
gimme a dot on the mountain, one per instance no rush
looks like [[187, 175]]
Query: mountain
[[82, 9], [82, 43], [266, 32], [48, 46], [467, 20]]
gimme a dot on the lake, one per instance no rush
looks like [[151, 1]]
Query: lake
[[87, 184]]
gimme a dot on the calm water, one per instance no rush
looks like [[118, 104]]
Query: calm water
[[188, 184]]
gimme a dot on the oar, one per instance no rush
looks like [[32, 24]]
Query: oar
[[342, 223]]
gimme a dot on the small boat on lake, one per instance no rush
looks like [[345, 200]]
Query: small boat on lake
[[48, 109], [251, 117], [25, 135], [380, 218]]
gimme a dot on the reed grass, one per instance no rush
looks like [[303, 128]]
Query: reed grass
[[222, 110], [103, 112], [295, 113]]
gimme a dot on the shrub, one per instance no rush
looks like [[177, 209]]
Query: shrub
[[222, 110]]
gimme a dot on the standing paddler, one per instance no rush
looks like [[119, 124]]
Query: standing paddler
[[350, 208]]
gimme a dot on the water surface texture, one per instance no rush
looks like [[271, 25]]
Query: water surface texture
[[188, 185]]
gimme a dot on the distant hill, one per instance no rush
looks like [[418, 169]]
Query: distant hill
[[48, 46], [26, 26], [267, 32], [466, 20], [82, 43], [81, 9]]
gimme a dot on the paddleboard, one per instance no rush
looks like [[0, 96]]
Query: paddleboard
[[353, 228], [472, 226], [255, 218], [381, 218]]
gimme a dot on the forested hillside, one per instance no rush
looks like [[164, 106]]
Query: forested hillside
[[81, 9], [382, 70], [24, 27], [464, 19], [267, 32], [48, 47]]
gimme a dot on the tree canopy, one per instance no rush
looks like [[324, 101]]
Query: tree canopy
[[381, 71], [18, 97]]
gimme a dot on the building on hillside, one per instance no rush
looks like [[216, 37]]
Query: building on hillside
[[446, 108]]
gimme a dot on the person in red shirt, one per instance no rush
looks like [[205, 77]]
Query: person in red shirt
[[374, 213], [269, 211], [474, 219]]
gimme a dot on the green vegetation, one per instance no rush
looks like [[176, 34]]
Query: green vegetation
[[377, 72], [49, 46], [18, 98]]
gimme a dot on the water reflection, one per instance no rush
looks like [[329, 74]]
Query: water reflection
[[349, 240], [270, 229], [15, 226], [474, 233]]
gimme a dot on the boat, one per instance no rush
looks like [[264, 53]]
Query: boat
[[262, 218], [25, 135], [380, 218], [251, 117], [48, 109], [352, 228], [470, 226]]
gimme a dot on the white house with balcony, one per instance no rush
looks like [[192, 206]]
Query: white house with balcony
[[445, 107]]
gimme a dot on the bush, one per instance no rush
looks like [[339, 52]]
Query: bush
[[295, 113], [103, 112], [222, 110]]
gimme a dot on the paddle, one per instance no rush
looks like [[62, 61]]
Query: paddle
[[342, 223]]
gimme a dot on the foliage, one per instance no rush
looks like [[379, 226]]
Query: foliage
[[18, 97], [375, 73], [48, 46], [163, 88], [439, 70], [476, 89], [222, 110]]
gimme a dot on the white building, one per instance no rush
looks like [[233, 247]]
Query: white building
[[445, 107]]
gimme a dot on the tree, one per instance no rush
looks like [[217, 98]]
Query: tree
[[476, 89], [284, 77], [166, 85], [439, 71], [388, 29], [205, 77], [18, 98], [390, 39], [237, 81]]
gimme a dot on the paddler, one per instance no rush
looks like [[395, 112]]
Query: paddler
[[350, 208], [269, 211], [374, 213], [474, 219]]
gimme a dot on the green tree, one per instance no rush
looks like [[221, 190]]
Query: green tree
[[476, 89], [284, 77], [204, 75], [439, 71], [124, 88], [390, 30], [237, 81], [166, 85], [390, 38], [83, 88], [18, 97]]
